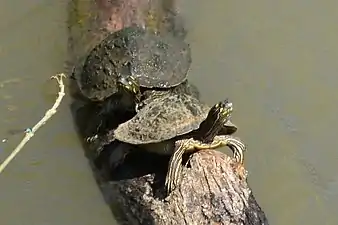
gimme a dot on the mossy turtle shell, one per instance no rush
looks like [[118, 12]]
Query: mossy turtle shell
[[164, 118], [156, 61]]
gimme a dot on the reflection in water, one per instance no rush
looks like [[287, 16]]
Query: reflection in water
[[275, 60]]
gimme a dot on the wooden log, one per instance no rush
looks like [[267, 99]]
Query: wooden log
[[211, 191]]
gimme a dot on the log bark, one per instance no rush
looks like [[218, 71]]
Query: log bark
[[211, 191]]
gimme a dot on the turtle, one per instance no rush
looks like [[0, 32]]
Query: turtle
[[154, 60], [125, 104], [175, 123]]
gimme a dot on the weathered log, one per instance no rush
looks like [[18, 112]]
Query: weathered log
[[211, 191], [89, 21]]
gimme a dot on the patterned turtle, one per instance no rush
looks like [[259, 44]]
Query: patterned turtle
[[176, 123]]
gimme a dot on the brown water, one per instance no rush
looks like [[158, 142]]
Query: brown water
[[276, 61]]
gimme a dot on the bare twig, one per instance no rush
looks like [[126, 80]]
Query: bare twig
[[30, 132]]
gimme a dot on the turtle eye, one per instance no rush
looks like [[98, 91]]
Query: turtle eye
[[228, 105]]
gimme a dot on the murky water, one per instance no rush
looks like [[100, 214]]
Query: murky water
[[275, 61], [50, 181]]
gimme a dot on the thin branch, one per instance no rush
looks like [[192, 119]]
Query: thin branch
[[30, 132]]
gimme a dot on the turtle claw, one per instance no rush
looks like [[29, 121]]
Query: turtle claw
[[238, 148], [59, 77], [92, 138], [240, 171]]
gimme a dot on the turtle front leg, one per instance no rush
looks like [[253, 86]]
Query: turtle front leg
[[235, 144], [238, 148], [173, 176], [181, 146]]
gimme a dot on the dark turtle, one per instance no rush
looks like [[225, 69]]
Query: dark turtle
[[175, 123], [155, 60]]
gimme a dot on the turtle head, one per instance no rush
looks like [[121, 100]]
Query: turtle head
[[217, 119], [222, 110], [130, 85]]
